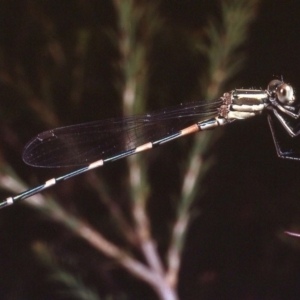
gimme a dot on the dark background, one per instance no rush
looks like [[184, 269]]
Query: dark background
[[235, 248]]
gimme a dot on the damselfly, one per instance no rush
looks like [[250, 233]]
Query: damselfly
[[91, 145]]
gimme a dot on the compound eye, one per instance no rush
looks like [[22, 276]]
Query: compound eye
[[285, 94], [272, 86]]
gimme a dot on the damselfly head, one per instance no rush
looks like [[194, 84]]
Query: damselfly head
[[283, 91]]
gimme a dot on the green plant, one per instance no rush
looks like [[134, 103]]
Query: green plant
[[53, 81]]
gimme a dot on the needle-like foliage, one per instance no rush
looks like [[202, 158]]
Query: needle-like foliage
[[63, 63]]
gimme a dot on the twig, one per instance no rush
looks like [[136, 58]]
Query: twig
[[114, 209], [134, 57], [221, 52], [94, 238]]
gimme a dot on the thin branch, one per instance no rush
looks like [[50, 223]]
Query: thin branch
[[237, 17], [113, 208], [21, 85], [135, 65], [134, 60], [80, 228]]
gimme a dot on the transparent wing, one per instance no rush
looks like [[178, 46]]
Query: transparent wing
[[82, 144]]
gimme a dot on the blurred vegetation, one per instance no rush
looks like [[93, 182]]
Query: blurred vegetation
[[108, 233]]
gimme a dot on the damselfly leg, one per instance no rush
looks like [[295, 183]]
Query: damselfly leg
[[286, 146]]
